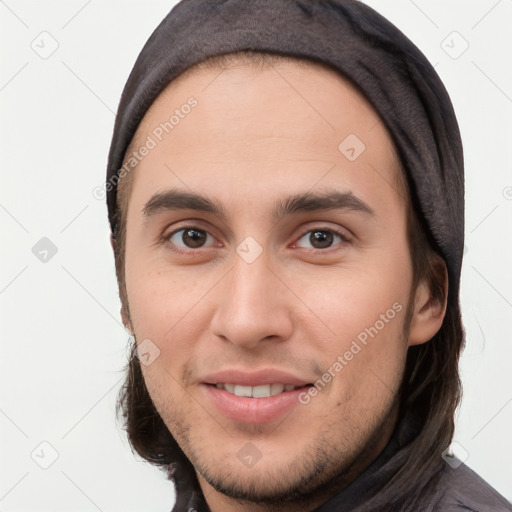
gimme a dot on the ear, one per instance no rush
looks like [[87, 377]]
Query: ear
[[112, 240], [429, 309]]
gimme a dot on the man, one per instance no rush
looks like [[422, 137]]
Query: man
[[285, 191]]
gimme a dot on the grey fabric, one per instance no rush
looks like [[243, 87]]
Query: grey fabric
[[458, 488]]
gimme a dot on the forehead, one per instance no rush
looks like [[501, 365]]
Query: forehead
[[274, 122]]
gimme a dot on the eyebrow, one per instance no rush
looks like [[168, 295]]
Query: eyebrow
[[175, 200]]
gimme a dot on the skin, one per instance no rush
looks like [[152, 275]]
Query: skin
[[252, 140]]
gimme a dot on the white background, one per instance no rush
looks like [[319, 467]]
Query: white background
[[63, 346]]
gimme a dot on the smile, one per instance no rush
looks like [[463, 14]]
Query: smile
[[262, 391]]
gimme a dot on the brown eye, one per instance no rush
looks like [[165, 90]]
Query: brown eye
[[322, 238], [189, 238]]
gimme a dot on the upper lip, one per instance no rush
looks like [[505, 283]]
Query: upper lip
[[254, 378]]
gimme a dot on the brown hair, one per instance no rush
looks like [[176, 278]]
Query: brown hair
[[430, 387]]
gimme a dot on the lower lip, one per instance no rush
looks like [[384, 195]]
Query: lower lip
[[253, 410]]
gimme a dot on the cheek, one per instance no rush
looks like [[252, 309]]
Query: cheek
[[363, 361], [169, 307], [151, 288], [352, 300], [364, 310]]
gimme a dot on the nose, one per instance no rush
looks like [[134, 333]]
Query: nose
[[254, 305]]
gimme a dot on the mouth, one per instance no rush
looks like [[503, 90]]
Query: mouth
[[254, 397]]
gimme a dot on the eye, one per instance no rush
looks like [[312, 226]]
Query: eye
[[189, 237], [322, 238]]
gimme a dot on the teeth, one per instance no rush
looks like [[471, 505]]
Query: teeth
[[243, 391], [276, 389], [263, 391]]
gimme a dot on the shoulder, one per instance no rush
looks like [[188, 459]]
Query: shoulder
[[464, 490]]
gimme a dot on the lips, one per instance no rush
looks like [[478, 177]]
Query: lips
[[255, 378], [253, 397]]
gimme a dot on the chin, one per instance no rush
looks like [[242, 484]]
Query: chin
[[275, 480]]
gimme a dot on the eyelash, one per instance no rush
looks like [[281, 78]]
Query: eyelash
[[166, 238]]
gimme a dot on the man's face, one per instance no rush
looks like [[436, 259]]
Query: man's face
[[266, 294]]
